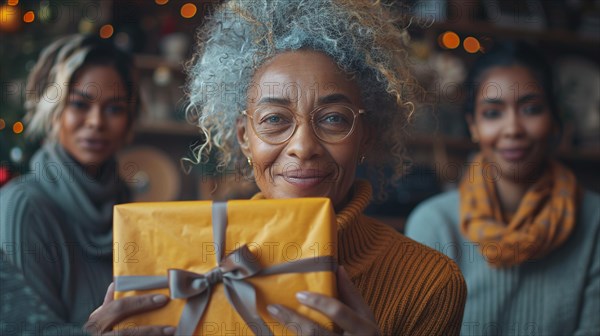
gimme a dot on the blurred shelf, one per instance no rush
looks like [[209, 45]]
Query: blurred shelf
[[151, 62], [562, 37], [450, 142], [167, 128]]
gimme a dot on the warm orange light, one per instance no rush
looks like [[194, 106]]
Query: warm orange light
[[471, 45], [161, 2], [18, 127], [450, 40], [106, 31], [29, 17], [188, 10], [2, 124], [9, 18], [12, 2]]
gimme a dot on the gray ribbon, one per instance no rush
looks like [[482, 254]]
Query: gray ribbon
[[232, 270]]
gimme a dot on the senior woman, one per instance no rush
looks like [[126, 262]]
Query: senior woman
[[303, 92]]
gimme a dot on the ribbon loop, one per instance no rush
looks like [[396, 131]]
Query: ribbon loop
[[240, 264], [184, 284]]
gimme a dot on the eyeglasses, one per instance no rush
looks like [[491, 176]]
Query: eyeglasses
[[276, 124]]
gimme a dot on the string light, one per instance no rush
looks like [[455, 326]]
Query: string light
[[106, 31], [450, 40], [188, 10], [12, 2], [161, 2], [18, 127], [29, 17], [471, 45], [9, 18]]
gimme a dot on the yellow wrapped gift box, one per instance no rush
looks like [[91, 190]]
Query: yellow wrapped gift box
[[205, 253]]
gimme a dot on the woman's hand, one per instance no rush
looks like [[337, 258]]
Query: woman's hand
[[112, 312], [351, 313]]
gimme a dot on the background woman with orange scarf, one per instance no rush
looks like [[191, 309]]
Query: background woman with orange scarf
[[524, 233]]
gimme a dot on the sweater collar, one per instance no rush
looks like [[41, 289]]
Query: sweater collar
[[87, 200], [357, 238]]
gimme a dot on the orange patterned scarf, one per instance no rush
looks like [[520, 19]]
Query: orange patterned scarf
[[543, 221]]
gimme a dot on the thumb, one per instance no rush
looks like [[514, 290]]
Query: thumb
[[110, 294], [108, 298]]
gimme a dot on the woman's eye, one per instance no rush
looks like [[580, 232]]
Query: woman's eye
[[274, 119], [333, 118], [78, 104], [115, 109], [533, 109], [491, 113]]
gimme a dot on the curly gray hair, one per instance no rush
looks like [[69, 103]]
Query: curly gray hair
[[360, 35]]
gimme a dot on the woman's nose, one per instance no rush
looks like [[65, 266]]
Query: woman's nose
[[304, 143], [94, 117], [513, 126]]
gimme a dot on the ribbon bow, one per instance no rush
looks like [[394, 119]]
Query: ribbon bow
[[232, 270], [196, 288]]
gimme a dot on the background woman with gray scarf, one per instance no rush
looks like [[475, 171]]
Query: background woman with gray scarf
[[56, 221]]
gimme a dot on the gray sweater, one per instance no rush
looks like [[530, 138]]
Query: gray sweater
[[56, 228], [557, 295], [22, 312]]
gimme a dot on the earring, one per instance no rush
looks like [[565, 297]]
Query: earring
[[362, 159], [249, 161]]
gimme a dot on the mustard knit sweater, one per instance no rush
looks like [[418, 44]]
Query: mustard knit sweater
[[411, 289]]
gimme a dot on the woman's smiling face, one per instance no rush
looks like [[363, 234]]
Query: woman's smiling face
[[512, 122], [304, 165], [97, 118]]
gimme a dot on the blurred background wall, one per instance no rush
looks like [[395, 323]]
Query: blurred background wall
[[446, 35]]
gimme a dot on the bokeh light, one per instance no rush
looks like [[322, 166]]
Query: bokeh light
[[10, 18], [450, 40], [29, 17], [106, 31], [18, 127], [16, 154], [161, 2], [188, 10], [471, 45]]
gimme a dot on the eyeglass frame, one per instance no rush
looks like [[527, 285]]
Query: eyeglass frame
[[355, 114]]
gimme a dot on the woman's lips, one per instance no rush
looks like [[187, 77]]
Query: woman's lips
[[514, 154], [95, 145], [305, 178]]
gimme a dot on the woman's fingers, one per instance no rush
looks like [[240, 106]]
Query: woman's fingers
[[108, 297], [343, 316], [112, 313], [295, 322], [351, 313], [110, 293]]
